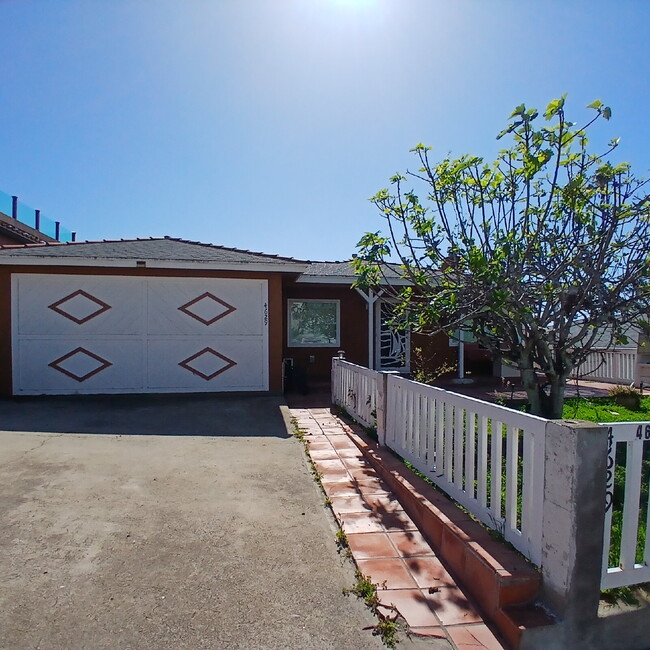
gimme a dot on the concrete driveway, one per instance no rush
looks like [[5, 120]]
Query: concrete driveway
[[165, 522]]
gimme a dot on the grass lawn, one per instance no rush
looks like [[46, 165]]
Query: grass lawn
[[604, 409]]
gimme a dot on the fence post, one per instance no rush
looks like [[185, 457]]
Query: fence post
[[382, 404], [573, 518]]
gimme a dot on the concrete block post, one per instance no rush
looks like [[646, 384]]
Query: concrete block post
[[573, 518], [382, 404]]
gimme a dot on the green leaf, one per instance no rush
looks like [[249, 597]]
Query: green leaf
[[596, 105], [607, 112], [520, 110]]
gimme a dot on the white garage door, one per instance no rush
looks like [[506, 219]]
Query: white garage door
[[94, 334]]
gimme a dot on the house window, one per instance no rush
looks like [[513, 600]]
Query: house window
[[314, 323]]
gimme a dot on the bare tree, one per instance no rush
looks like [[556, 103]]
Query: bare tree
[[539, 254]]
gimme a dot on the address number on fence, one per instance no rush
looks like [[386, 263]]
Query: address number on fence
[[643, 432]]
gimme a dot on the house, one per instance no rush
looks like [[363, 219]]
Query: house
[[20, 224], [170, 315], [13, 231]]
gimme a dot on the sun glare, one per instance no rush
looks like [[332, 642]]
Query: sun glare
[[355, 4]]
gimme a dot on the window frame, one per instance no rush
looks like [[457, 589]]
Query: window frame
[[295, 344]]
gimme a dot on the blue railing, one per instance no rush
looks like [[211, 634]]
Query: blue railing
[[12, 207]]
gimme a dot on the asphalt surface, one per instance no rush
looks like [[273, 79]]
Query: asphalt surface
[[115, 536]]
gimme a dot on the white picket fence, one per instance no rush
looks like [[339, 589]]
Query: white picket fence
[[354, 388], [488, 458], [491, 460], [611, 366], [631, 568]]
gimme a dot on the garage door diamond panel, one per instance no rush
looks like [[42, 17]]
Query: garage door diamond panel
[[178, 306], [207, 308], [79, 306], [206, 364], [80, 364], [58, 366]]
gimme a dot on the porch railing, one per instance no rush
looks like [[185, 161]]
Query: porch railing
[[626, 554], [612, 366]]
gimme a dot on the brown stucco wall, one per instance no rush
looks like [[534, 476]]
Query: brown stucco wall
[[354, 330], [275, 308], [434, 352]]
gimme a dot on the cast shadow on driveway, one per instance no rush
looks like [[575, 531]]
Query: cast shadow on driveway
[[170, 415]]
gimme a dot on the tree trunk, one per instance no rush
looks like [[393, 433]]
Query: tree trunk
[[553, 401], [529, 380], [545, 404]]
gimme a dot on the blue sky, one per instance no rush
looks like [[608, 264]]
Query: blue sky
[[267, 124]]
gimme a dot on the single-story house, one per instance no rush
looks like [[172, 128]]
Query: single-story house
[[169, 315]]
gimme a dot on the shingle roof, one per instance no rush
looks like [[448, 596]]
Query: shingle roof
[[343, 270], [163, 249]]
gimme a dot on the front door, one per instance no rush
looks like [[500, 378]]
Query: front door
[[393, 349]]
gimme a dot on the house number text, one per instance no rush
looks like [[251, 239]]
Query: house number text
[[609, 494]]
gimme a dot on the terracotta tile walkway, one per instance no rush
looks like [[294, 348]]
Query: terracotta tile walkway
[[385, 543]]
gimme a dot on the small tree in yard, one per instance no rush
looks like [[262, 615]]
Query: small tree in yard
[[539, 254]]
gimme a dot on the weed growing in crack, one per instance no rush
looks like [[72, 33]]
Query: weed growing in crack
[[387, 627], [365, 589], [342, 544]]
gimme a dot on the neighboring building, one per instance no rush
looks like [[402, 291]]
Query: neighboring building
[[20, 224], [13, 231], [170, 315]]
